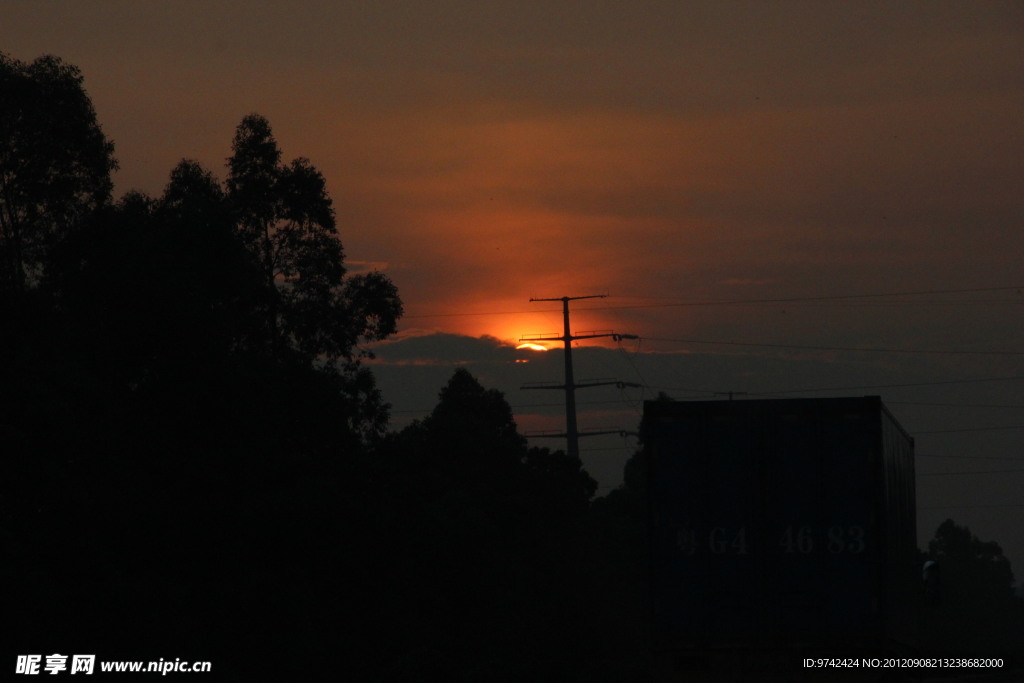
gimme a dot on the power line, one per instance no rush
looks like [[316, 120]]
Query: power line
[[697, 393], [837, 348], [840, 302], [733, 302], [462, 315], [969, 429], [839, 297], [894, 386], [969, 507], [629, 360], [969, 457], [956, 405], [959, 472]]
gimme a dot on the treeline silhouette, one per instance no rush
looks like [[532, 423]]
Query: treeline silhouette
[[197, 463]]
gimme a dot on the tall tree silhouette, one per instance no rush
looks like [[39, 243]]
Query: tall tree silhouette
[[286, 220], [55, 163], [488, 555]]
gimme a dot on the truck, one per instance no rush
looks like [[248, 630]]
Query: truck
[[781, 531]]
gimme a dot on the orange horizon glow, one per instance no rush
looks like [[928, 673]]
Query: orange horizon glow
[[525, 331]]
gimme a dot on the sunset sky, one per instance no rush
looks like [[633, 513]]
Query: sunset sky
[[797, 179]]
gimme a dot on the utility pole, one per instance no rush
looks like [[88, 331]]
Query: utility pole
[[572, 433]]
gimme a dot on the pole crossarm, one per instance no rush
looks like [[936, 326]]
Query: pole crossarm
[[604, 333], [593, 335], [573, 298], [542, 385], [606, 382], [582, 385], [555, 336], [620, 432]]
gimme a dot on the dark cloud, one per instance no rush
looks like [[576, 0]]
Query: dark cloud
[[445, 349]]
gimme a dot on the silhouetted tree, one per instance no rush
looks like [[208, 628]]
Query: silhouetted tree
[[971, 564], [55, 163], [489, 541], [285, 218], [975, 609]]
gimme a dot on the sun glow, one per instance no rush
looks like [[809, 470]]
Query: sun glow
[[532, 347]]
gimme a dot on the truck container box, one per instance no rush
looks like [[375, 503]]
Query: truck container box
[[781, 525]]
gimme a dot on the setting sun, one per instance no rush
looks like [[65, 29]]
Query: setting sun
[[532, 347]]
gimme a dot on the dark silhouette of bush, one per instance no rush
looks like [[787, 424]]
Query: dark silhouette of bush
[[971, 608]]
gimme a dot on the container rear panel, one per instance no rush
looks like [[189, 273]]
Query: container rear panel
[[766, 522]]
